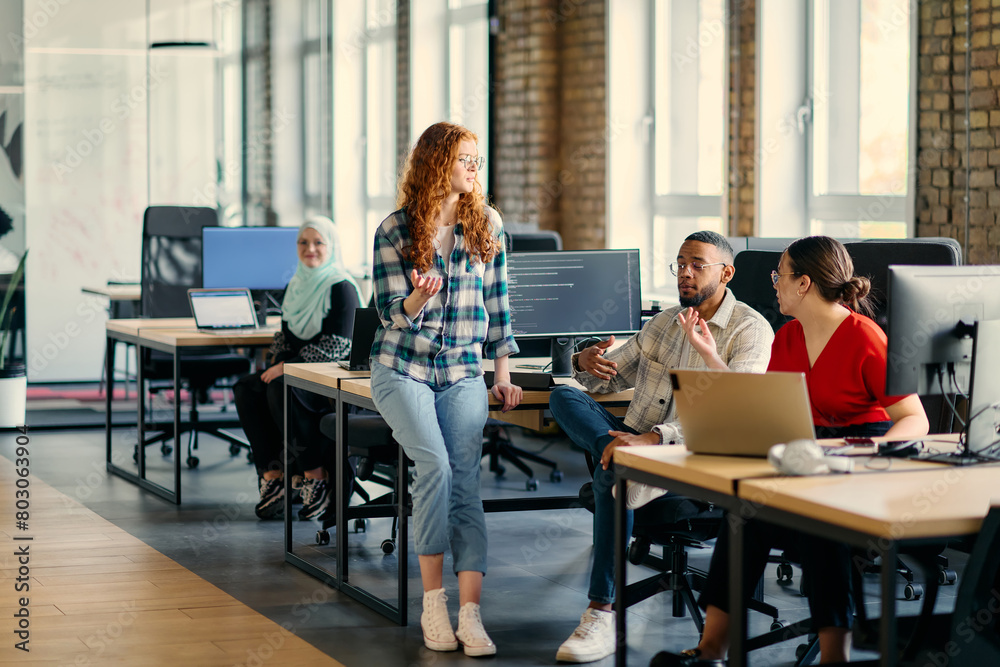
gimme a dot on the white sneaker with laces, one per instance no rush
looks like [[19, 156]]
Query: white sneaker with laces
[[471, 632], [639, 494], [592, 640], [434, 621]]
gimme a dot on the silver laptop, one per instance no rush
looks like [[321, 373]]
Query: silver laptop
[[741, 414], [223, 310]]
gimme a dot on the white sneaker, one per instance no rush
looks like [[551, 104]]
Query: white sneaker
[[434, 621], [592, 640], [471, 632], [638, 494]]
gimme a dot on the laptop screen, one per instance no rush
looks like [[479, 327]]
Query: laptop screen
[[222, 308]]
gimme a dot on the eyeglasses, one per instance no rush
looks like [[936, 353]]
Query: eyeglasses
[[696, 267], [469, 162], [775, 275]]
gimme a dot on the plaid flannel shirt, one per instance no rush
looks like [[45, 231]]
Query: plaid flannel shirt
[[742, 337], [467, 319]]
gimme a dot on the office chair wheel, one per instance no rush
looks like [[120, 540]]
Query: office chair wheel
[[360, 526], [166, 449], [947, 577], [234, 449], [801, 650], [556, 476], [322, 537], [388, 546], [249, 457], [135, 454], [499, 471], [912, 591], [531, 484], [784, 571], [777, 624], [192, 462]]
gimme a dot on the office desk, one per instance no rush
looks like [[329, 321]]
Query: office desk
[[723, 481], [168, 335], [877, 513], [332, 381]]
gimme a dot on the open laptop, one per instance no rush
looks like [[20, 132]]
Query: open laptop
[[366, 323], [741, 414], [223, 310]]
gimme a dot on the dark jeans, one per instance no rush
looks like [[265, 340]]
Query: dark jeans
[[587, 425], [826, 565], [260, 407]]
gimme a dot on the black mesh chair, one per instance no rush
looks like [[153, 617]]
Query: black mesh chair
[[373, 456], [171, 264]]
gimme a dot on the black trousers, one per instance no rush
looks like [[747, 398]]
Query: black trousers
[[260, 406], [826, 565]]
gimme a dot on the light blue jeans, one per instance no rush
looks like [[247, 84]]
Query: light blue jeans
[[441, 430]]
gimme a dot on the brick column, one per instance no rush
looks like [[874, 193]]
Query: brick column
[[741, 195]]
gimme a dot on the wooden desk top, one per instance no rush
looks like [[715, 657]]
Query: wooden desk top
[[116, 292], [328, 374], [194, 338], [715, 473], [723, 473], [937, 501], [363, 387], [133, 325]]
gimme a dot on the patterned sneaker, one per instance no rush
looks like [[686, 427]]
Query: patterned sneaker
[[592, 640], [272, 498], [638, 494], [315, 498], [471, 634], [434, 621]]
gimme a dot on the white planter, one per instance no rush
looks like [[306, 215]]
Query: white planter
[[13, 399]]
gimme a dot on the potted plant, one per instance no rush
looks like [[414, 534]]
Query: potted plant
[[13, 376]]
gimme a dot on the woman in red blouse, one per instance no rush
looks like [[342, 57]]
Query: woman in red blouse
[[843, 354]]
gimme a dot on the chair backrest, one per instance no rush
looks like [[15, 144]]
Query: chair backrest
[[540, 241], [171, 257], [752, 285], [872, 259], [975, 624]]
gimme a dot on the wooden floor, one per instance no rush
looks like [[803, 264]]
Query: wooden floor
[[100, 596]]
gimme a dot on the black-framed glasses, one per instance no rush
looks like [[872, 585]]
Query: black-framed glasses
[[469, 162], [696, 267], [775, 275]]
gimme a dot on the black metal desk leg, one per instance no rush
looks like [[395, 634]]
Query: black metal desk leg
[[141, 412], [737, 600], [343, 495], [888, 643], [109, 365], [621, 634], [177, 425], [285, 467]]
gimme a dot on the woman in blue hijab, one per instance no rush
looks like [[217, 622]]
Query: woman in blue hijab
[[317, 320]]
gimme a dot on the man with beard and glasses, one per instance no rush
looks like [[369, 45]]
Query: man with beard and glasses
[[743, 343]]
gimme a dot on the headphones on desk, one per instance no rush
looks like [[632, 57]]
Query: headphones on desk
[[806, 457]]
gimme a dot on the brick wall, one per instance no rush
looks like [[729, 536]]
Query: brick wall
[[959, 125], [550, 99], [402, 82], [741, 204]]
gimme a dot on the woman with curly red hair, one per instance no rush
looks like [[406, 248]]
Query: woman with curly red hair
[[440, 282]]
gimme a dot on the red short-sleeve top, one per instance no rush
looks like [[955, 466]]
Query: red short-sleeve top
[[847, 382]]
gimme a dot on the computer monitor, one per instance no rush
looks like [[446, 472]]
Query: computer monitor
[[561, 295], [931, 316], [259, 258]]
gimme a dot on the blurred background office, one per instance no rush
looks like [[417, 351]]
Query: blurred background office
[[618, 124]]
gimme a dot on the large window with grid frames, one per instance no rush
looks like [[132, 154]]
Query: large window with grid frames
[[449, 48], [687, 125], [835, 135]]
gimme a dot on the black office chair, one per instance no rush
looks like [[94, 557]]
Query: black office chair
[[171, 264], [373, 455], [752, 284]]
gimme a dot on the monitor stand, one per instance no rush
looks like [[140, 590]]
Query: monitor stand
[[266, 304], [980, 441], [562, 356]]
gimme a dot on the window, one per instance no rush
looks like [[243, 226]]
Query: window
[[835, 135], [688, 125]]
